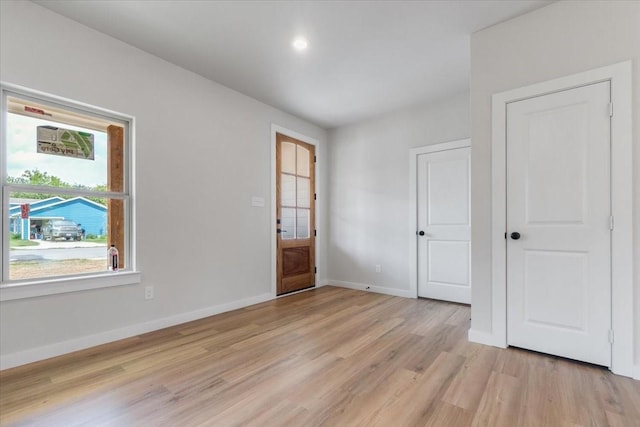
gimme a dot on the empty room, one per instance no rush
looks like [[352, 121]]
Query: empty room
[[305, 213]]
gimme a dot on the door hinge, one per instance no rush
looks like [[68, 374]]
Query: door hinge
[[610, 336], [315, 159], [611, 109], [315, 270], [315, 233], [315, 196], [505, 236], [611, 222]]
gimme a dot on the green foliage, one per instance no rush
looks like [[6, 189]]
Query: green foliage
[[16, 236], [13, 243], [36, 177]]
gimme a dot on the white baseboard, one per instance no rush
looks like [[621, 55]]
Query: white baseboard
[[322, 282], [377, 289], [40, 353], [486, 338], [636, 372]]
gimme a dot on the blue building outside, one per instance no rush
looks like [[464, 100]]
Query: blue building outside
[[92, 215]]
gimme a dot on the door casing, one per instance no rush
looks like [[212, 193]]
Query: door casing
[[413, 203], [621, 206]]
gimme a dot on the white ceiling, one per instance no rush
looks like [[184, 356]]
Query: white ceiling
[[364, 58]]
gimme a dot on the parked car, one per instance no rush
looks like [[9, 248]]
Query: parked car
[[61, 229]]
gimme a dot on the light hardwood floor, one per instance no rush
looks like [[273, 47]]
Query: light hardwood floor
[[331, 356]]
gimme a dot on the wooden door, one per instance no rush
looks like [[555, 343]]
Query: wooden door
[[295, 195], [444, 229], [558, 224]]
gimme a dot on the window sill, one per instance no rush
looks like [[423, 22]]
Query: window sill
[[38, 288]]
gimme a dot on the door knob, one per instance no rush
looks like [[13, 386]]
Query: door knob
[[515, 235], [420, 233]]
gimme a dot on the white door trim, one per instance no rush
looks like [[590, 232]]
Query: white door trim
[[274, 247], [621, 205], [413, 202]]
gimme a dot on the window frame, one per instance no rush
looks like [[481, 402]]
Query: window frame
[[27, 288], [296, 176]]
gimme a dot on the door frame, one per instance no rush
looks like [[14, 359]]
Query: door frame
[[274, 244], [622, 310], [413, 202]]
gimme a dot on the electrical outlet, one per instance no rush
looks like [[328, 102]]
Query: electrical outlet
[[148, 292], [378, 268]]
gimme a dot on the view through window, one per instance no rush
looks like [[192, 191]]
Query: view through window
[[65, 191]]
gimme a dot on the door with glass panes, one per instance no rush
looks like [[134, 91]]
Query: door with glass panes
[[295, 194]]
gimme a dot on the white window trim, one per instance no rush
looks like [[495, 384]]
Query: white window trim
[[622, 296], [19, 289], [413, 202], [61, 285]]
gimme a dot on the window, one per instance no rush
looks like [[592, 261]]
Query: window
[[295, 196], [65, 189]]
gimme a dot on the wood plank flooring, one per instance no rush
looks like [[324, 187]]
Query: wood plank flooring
[[332, 357]]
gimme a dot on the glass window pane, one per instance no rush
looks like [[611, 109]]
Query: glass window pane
[[42, 151], [55, 146], [287, 190], [57, 235], [303, 198], [288, 157], [288, 224], [303, 223], [303, 161]]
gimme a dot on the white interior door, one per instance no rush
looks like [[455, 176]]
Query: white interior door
[[444, 232], [558, 201]]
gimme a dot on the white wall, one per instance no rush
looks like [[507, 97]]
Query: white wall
[[369, 191], [207, 181], [560, 39]]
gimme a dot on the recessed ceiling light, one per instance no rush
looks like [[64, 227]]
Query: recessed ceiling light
[[300, 44]]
